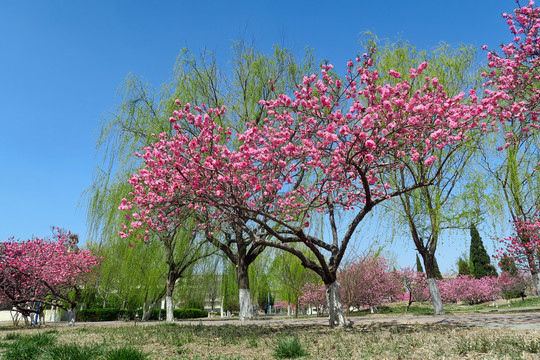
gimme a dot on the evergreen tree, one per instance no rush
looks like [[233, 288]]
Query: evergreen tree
[[419, 267], [508, 265], [479, 257], [438, 274], [463, 266]]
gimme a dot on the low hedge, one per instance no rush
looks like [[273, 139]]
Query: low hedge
[[111, 314], [189, 313], [107, 314]]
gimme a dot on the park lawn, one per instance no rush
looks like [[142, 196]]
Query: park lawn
[[376, 341]]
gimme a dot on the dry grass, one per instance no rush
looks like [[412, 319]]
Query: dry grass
[[376, 341]]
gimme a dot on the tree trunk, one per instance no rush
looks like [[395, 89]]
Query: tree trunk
[[244, 296], [169, 301], [147, 311], [71, 315], [335, 307], [438, 308], [536, 281], [429, 265], [222, 309]]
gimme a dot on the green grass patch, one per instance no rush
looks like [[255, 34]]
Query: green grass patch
[[289, 348], [45, 346]]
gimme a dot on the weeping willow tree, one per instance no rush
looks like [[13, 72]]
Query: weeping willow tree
[[130, 277], [289, 276], [513, 171], [144, 111], [427, 211]]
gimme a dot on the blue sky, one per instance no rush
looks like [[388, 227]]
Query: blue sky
[[61, 63]]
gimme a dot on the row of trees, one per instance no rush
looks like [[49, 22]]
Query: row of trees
[[370, 282], [269, 150]]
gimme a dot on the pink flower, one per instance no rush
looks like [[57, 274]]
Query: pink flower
[[430, 160]]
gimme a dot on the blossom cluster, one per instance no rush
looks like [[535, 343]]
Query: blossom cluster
[[40, 270]]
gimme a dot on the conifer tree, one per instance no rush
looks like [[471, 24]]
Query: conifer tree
[[463, 266], [507, 264], [419, 267], [438, 274], [479, 257]]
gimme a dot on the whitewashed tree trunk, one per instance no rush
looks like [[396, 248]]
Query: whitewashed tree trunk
[[169, 308], [438, 308], [335, 307], [222, 309], [288, 309], [71, 317], [246, 309]]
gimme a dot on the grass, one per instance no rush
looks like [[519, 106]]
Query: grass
[[289, 348], [228, 342], [45, 345]]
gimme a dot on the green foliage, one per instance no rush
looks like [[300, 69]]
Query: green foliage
[[419, 267], [112, 314], [438, 274], [107, 314], [481, 265], [229, 289], [288, 276], [12, 336], [189, 313], [262, 294], [463, 266], [508, 265], [289, 348]]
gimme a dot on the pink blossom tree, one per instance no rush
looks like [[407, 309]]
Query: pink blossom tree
[[416, 285], [179, 187], [348, 154], [523, 248], [325, 150], [514, 285], [313, 295], [469, 289], [43, 271], [513, 98], [369, 282]]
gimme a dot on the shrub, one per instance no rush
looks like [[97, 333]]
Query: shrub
[[107, 314], [289, 348], [189, 313]]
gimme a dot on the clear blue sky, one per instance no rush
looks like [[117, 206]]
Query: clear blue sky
[[61, 63]]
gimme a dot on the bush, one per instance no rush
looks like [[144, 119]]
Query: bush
[[110, 314], [289, 348], [107, 314], [189, 313]]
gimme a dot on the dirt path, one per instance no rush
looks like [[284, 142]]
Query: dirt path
[[522, 320]]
